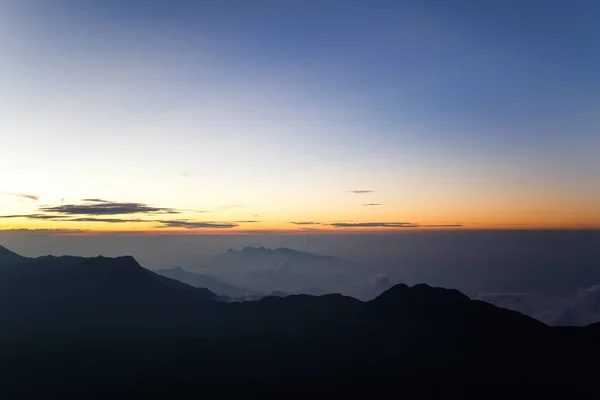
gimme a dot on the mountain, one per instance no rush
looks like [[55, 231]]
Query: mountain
[[8, 257], [265, 270], [108, 327], [72, 296], [205, 281]]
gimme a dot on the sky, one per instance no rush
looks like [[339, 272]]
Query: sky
[[226, 116]]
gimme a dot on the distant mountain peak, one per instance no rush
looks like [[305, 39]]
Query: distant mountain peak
[[250, 250]]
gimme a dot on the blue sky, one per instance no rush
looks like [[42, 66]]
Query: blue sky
[[489, 109]]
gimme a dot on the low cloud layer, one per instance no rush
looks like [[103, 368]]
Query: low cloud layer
[[305, 223], [372, 204], [361, 191]]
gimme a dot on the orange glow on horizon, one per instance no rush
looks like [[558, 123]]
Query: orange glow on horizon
[[70, 231]]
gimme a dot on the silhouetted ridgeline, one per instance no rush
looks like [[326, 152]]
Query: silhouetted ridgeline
[[108, 326]]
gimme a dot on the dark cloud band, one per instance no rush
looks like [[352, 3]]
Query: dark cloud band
[[105, 207]]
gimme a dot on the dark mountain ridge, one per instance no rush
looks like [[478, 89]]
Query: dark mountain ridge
[[109, 326], [8, 257]]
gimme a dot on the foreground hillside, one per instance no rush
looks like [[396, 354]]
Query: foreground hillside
[[108, 326]]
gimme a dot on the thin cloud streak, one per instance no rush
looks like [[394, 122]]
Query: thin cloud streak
[[107, 220], [194, 224], [66, 218], [372, 204], [373, 225], [390, 225], [305, 223], [33, 216], [361, 191], [20, 195], [95, 200], [440, 226], [44, 232]]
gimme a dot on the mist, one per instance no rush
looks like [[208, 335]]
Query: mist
[[549, 268]]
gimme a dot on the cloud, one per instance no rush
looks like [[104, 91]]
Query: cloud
[[372, 204], [105, 207], [104, 211], [39, 232], [305, 223], [195, 224], [108, 220], [20, 195], [380, 282], [374, 225], [388, 225], [440, 226], [32, 216], [65, 218], [96, 200], [251, 221], [361, 191], [594, 288]]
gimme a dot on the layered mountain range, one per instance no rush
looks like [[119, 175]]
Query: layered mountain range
[[108, 326]]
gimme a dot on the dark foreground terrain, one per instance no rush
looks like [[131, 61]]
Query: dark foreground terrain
[[108, 327]]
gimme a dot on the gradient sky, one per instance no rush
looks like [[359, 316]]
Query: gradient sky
[[199, 116]]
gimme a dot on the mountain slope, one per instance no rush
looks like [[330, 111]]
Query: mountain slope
[[8, 257], [204, 281], [107, 324], [95, 291]]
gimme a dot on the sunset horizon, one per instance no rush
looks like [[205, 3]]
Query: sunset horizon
[[197, 118]]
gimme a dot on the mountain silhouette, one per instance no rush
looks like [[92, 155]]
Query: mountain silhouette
[[81, 293], [109, 327], [264, 270], [205, 281], [8, 257]]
